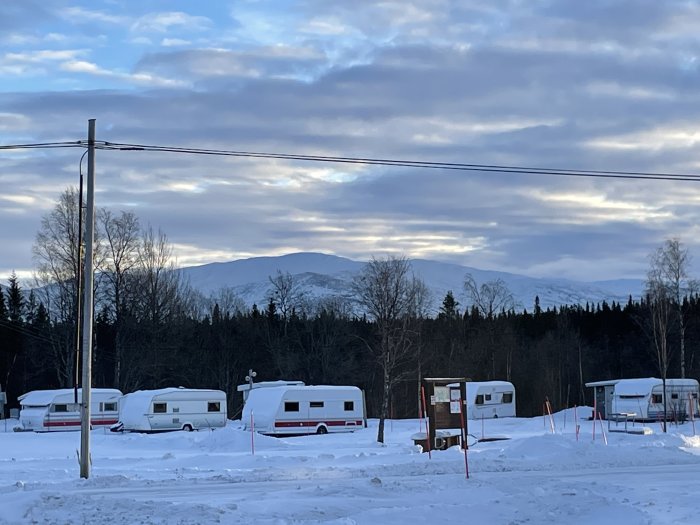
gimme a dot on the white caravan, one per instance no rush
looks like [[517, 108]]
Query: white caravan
[[171, 409], [489, 399], [56, 410], [296, 410], [642, 399], [247, 387]]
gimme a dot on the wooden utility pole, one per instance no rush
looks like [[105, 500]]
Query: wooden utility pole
[[88, 307]]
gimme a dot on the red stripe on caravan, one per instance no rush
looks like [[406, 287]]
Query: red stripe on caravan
[[74, 422], [304, 423]]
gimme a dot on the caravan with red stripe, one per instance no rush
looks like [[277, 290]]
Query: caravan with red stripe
[[298, 410], [59, 410]]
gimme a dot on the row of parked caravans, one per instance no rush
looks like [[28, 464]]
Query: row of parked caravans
[[143, 411], [273, 408]]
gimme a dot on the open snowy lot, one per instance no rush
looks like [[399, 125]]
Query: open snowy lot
[[213, 477]]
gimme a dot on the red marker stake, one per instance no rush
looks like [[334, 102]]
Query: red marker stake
[[425, 411], [464, 433], [252, 434]]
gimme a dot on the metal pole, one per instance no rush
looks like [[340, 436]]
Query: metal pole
[[87, 308], [79, 276]]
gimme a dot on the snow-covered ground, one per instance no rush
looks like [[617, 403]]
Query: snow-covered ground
[[212, 477]]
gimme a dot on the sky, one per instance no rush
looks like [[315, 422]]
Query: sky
[[604, 85]]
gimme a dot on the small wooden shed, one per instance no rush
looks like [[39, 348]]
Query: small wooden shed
[[443, 410]]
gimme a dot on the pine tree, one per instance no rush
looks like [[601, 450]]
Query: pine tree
[[538, 309], [30, 308], [449, 310], [15, 301]]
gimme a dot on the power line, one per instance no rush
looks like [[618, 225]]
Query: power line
[[43, 145], [455, 166], [26, 330], [406, 163]]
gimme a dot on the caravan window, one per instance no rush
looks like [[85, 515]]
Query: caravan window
[[674, 396], [488, 397], [479, 399], [507, 397], [349, 406], [657, 399], [108, 407], [213, 406], [160, 408], [60, 408], [316, 404], [291, 406]]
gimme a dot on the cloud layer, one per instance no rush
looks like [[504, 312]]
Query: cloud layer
[[586, 85]]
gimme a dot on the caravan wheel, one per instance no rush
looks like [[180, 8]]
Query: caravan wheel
[[322, 430], [187, 428]]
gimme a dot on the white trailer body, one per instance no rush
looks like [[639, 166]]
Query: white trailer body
[[247, 387], [172, 409], [490, 399], [56, 410], [643, 399], [297, 410]]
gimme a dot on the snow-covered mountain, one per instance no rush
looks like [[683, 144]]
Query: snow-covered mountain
[[320, 275]]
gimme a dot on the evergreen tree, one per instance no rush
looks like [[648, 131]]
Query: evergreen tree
[[15, 303], [30, 308], [449, 310], [271, 310], [538, 309]]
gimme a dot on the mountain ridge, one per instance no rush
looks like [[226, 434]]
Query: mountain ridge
[[319, 275]]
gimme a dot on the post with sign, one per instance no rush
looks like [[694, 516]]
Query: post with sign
[[443, 410]]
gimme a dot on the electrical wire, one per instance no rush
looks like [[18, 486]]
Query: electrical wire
[[405, 163], [43, 145], [26, 330], [456, 166]]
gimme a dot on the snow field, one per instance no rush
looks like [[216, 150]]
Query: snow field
[[536, 476]]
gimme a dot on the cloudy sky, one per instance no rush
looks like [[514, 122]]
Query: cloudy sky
[[607, 85]]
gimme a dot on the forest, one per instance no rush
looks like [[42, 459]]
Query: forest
[[152, 330]]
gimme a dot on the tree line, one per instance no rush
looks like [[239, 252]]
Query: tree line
[[153, 330]]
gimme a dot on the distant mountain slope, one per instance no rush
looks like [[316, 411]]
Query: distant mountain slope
[[321, 275]]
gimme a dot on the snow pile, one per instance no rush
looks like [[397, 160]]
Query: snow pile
[[214, 476]]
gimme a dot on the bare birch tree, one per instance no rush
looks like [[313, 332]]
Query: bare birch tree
[[161, 296], [387, 292], [57, 255], [121, 240], [670, 264], [489, 299], [659, 301], [287, 295]]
